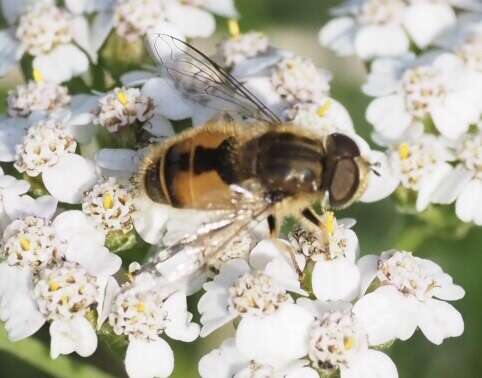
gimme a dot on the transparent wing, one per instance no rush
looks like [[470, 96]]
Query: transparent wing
[[203, 81], [191, 252]]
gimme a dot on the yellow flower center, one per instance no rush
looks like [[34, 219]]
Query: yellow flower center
[[141, 307], [122, 97], [330, 222], [404, 151], [324, 108], [64, 300], [37, 75], [349, 343], [54, 286], [25, 244], [108, 201], [233, 27]]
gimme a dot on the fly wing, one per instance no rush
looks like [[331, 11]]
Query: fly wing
[[202, 81], [192, 251]]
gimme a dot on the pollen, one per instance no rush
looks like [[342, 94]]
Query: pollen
[[37, 75], [141, 307], [324, 108], [330, 222], [233, 27], [122, 97], [54, 285], [108, 201], [349, 343], [25, 244], [404, 151], [64, 300]]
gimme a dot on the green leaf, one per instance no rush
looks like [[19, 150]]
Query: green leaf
[[35, 353]]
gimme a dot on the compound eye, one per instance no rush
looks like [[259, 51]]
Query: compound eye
[[344, 182], [341, 145]]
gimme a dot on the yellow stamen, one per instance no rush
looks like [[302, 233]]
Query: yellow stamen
[[233, 27], [330, 222], [404, 151], [349, 343], [108, 201], [64, 300], [122, 97], [141, 307], [25, 244], [324, 108], [54, 286], [37, 75]]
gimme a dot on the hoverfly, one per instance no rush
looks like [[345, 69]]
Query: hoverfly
[[243, 172]]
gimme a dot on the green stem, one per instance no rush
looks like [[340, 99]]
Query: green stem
[[36, 354]]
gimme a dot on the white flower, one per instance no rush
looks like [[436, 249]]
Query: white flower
[[381, 28], [49, 149], [333, 250], [36, 96], [463, 183], [323, 118], [239, 48], [143, 312], [123, 107], [406, 299], [421, 166], [268, 316], [338, 341], [435, 86], [228, 362], [54, 271], [110, 205]]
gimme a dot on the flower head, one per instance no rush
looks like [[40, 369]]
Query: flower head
[[31, 242], [36, 96], [123, 107], [66, 290], [110, 205], [43, 28], [45, 143], [244, 46]]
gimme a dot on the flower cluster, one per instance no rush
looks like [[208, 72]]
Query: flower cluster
[[84, 251], [426, 111]]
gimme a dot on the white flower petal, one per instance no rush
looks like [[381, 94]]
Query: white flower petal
[[453, 183], [18, 308], [337, 279], [439, 320], [159, 126], [146, 359], [69, 178], [95, 258], [110, 290], [339, 34], [20, 206], [150, 219], [384, 76], [382, 183], [469, 204], [370, 364], [449, 292], [117, 161], [386, 314], [12, 133], [225, 8], [72, 335], [156, 44], [81, 32], [134, 78], [12, 9], [168, 100], [430, 184], [9, 51], [180, 326], [424, 21], [381, 40], [368, 266], [62, 63], [276, 338], [223, 362], [389, 116], [101, 27], [69, 223], [192, 21]]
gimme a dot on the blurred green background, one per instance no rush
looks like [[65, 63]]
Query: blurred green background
[[295, 25]]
